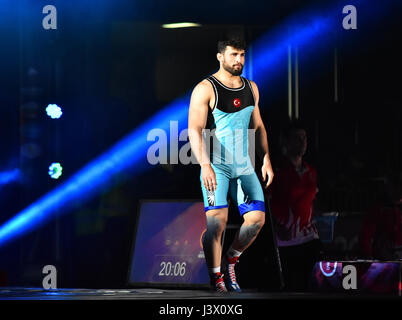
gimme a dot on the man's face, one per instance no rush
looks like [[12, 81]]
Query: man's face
[[297, 142], [232, 60]]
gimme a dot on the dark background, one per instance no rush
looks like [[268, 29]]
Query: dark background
[[111, 66]]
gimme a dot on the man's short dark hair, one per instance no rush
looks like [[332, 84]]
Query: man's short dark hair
[[236, 43]]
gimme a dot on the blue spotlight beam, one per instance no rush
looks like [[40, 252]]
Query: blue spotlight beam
[[129, 154], [304, 29], [312, 30], [9, 176]]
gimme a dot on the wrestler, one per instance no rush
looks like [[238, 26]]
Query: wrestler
[[226, 104]]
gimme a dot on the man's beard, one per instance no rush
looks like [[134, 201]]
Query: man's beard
[[232, 70]]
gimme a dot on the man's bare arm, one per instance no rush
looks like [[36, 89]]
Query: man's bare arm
[[197, 118], [261, 138]]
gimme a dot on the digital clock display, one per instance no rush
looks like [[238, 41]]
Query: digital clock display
[[168, 244]]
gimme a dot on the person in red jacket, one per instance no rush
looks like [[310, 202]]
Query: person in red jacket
[[381, 234], [292, 194]]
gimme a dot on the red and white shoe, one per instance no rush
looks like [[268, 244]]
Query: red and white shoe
[[217, 282], [228, 269]]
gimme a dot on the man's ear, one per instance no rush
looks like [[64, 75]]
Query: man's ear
[[219, 56]]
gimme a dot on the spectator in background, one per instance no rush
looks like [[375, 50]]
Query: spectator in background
[[381, 234], [292, 193]]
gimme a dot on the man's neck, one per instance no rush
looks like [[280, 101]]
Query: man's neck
[[227, 78]]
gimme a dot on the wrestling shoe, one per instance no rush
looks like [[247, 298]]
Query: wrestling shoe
[[217, 282], [228, 269]]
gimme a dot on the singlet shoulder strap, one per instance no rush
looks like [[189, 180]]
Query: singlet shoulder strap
[[251, 89], [211, 80]]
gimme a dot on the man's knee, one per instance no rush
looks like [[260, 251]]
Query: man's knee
[[216, 224], [255, 218]]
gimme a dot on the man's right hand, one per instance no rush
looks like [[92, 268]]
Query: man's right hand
[[208, 177]]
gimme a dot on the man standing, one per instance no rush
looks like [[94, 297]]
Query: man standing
[[293, 193], [227, 104]]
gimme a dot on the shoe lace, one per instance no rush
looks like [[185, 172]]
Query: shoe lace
[[232, 274]]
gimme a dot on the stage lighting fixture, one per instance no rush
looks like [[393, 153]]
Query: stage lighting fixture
[[54, 111], [55, 170], [180, 25]]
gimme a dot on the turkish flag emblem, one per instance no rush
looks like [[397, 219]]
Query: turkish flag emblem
[[237, 102]]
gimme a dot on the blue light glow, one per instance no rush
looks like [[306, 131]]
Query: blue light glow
[[303, 30], [55, 170], [54, 111], [9, 176], [129, 154]]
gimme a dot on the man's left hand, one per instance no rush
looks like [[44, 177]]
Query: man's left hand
[[267, 174]]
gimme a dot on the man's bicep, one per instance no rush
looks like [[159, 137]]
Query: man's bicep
[[198, 111], [255, 92], [256, 120]]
